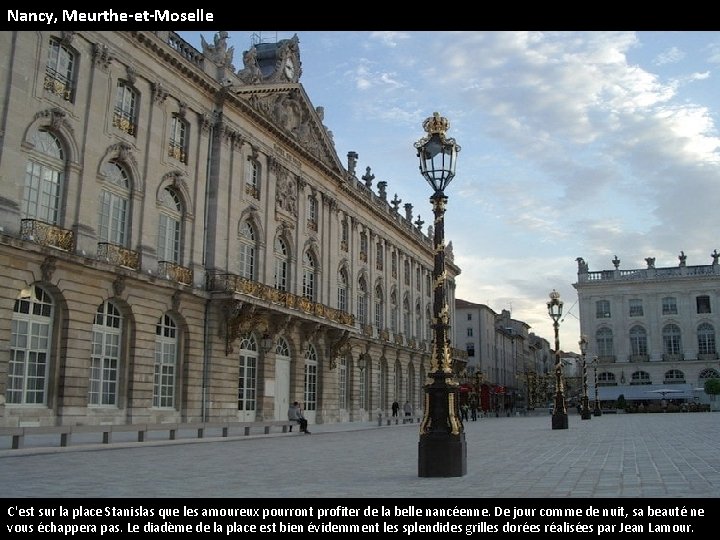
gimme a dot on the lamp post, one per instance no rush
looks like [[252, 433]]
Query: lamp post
[[442, 450], [585, 412], [559, 415], [597, 410]]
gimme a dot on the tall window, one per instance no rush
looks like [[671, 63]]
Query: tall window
[[407, 272], [406, 318], [393, 313], [417, 278], [178, 145], [44, 176], [363, 247], [30, 338], [379, 308], [105, 356], [311, 381], [59, 71], [418, 322], [312, 213], [604, 342], [703, 304], [247, 375], [342, 290], [638, 341], [126, 104], [706, 339], [363, 386], [671, 339], [166, 358], [169, 227], [309, 276], [247, 251], [669, 306], [379, 256], [393, 264], [636, 307], [362, 301], [114, 202], [602, 309], [343, 383], [281, 264], [469, 331], [344, 235]]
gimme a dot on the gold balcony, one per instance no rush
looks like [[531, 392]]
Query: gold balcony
[[175, 272], [241, 285], [118, 255], [46, 234]]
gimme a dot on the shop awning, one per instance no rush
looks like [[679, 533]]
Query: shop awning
[[637, 392]]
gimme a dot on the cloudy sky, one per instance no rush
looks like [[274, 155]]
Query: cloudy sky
[[574, 144]]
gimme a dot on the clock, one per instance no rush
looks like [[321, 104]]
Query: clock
[[289, 68]]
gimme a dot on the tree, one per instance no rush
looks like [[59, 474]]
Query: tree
[[712, 386]]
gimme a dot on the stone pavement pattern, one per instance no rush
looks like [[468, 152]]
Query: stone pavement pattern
[[624, 455]]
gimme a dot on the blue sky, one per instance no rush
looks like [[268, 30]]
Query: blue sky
[[574, 144]]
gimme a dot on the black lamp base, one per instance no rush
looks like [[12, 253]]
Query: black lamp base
[[441, 455], [560, 421]]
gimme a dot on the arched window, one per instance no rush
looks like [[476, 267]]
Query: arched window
[[309, 276], [105, 355], [343, 383], [362, 301], [282, 348], [281, 264], [706, 339], [30, 339], [44, 178], [671, 339], [247, 250], [169, 226], [673, 376], [379, 308], [638, 341], [247, 374], [640, 377], [342, 290], [606, 379], [114, 205], [418, 321], [311, 369], [166, 361]]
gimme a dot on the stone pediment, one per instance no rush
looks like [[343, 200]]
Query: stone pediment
[[289, 109]]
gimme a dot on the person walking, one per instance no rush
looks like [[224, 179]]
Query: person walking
[[295, 414], [407, 408], [395, 408]]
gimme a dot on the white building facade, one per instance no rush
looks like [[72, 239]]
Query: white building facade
[[651, 329]]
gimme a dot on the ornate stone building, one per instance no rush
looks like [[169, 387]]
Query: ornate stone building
[[179, 241], [651, 328]]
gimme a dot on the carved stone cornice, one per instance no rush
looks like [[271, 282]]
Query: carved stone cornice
[[101, 55]]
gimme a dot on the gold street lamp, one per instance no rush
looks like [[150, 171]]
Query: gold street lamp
[[585, 411], [442, 450], [559, 415]]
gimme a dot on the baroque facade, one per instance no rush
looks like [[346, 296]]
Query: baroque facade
[[651, 328], [181, 242]]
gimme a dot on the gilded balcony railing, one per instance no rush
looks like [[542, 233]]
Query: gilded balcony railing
[[235, 283], [55, 84], [118, 255], [46, 234], [673, 357], [175, 272]]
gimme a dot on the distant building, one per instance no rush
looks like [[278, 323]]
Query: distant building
[[651, 328], [512, 363]]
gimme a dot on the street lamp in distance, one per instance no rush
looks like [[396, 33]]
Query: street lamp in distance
[[559, 414], [442, 450], [585, 409]]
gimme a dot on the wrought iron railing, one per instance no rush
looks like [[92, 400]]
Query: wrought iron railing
[[175, 272], [46, 234], [118, 255]]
